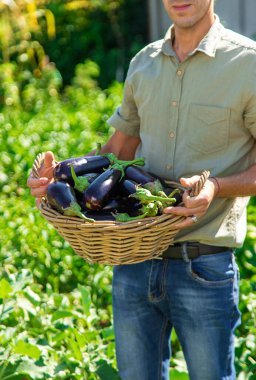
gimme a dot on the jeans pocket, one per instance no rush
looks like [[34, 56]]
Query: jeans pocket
[[213, 270]]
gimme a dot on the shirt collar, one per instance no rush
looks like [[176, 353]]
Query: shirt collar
[[207, 45]]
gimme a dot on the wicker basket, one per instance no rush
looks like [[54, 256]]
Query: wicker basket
[[111, 242]]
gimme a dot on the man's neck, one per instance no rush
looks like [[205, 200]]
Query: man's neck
[[186, 40]]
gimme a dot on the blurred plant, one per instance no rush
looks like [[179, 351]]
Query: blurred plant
[[19, 20], [23, 58], [45, 335], [109, 32]]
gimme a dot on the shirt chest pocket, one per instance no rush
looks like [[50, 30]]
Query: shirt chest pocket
[[208, 128]]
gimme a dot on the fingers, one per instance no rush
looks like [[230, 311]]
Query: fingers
[[187, 222], [38, 202], [184, 211], [38, 186], [49, 160], [194, 207], [33, 182], [191, 215], [188, 182], [39, 192]]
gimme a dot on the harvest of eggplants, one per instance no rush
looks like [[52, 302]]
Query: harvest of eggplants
[[102, 187]]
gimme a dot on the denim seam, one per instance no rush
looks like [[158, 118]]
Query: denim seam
[[161, 344], [149, 279], [162, 287], [208, 283], [231, 327]]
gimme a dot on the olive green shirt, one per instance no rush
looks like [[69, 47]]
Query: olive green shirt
[[195, 115]]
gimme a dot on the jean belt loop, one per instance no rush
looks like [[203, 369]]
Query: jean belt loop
[[184, 252]]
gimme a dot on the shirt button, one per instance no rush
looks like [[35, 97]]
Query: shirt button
[[179, 73], [168, 167], [174, 103], [171, 135]]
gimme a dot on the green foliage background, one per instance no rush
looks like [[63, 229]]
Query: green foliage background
[[55, 309]]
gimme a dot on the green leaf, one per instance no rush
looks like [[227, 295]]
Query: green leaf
[[24, 348], [23, 278], [7, 334], [32, 296], [76, 349], [61, 314], [5, 288], [80, 338], [7, 309], [108, 333], [86, 299], [26, 367], [178, 375], [105, 371]]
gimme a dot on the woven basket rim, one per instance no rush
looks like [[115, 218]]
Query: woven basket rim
[[75, 220]]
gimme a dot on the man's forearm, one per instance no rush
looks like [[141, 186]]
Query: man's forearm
[[122, 145], [241, 184]]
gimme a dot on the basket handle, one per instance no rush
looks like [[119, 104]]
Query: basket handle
[[196, 188], [39, 160]]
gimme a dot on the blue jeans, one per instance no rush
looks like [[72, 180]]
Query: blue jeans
[[198, 298]]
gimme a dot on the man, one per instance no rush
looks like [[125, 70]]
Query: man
[[189, 104]]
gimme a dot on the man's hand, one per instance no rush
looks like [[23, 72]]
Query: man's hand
[[193, 207], [38, 186]]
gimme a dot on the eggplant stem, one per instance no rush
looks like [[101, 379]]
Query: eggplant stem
[[98, 149], [138, 161], [111, 157], [124, 217], [81, 183], [149, 198], [75, 210], [175, 191]]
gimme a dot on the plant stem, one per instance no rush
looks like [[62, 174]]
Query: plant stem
[[5, 366], [2, 311]]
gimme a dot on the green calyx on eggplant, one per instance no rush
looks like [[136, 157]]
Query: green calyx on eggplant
[[145, 196], [150, 209], [99, 216], [61, 197], [81, 165], [152, 205], [83, 181]]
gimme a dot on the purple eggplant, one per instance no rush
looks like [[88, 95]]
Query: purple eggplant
[[61, 197], [143, 178], [127, 187], [121, 204], [114, 204], [99, 191], [81, 165]]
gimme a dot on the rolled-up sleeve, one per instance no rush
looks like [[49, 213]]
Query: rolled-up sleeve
[[126, 118], [250, 113]]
